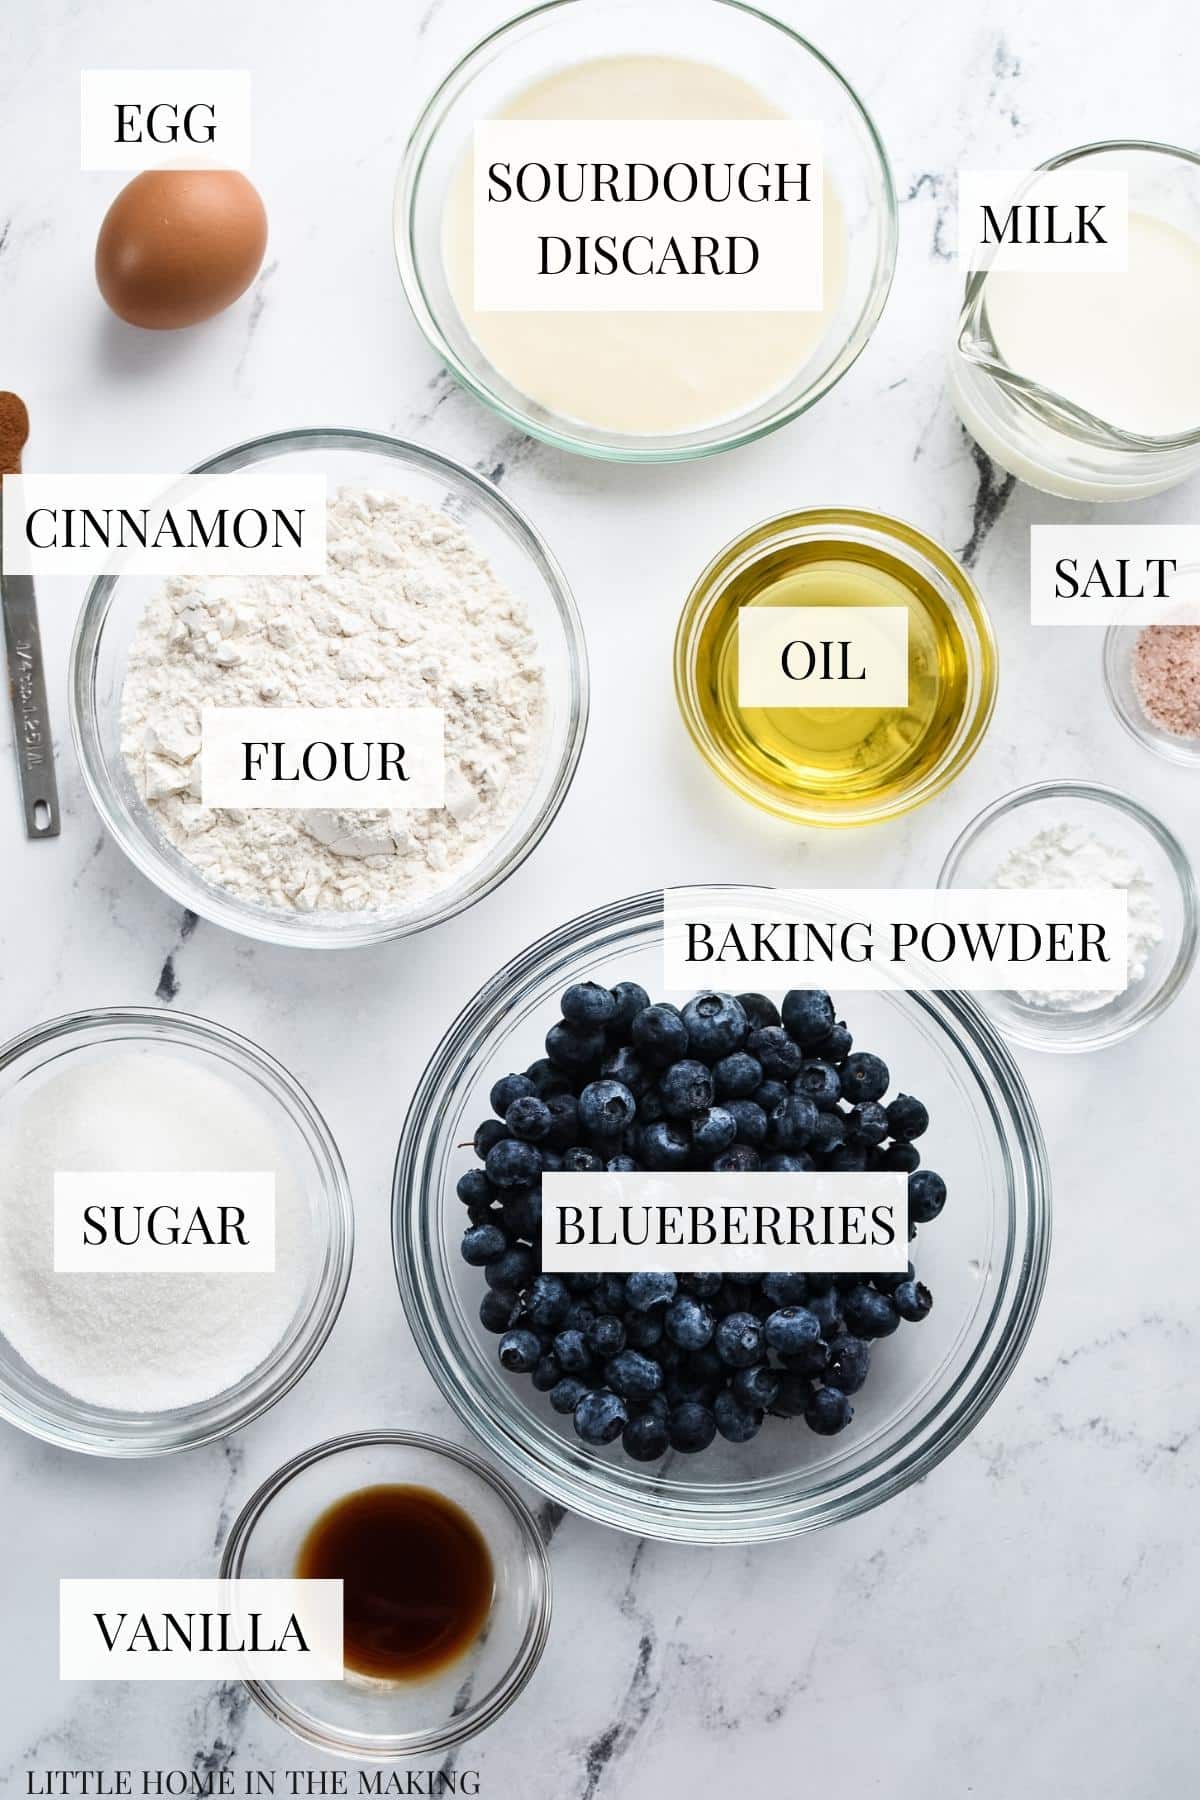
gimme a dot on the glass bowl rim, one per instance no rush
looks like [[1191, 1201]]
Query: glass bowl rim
[[204, 1421], [910, 545], [352, 931], [460, 1726], [1119, 644], [767, 1517], [1180, 864], [678, 447]]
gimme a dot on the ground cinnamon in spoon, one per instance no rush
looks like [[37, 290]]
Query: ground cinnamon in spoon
[[1166, 677], [14, 430]]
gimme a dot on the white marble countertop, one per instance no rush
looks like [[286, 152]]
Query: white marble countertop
[[1017, 1622]]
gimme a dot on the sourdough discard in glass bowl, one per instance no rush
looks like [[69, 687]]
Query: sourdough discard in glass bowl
[[984, 1259]]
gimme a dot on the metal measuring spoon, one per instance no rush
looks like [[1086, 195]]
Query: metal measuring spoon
[[26, 672]]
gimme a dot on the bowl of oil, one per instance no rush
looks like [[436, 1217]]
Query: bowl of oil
[[838, 765]]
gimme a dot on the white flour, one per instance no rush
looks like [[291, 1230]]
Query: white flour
[[140, 1343], [1066, 856], [407, 613]]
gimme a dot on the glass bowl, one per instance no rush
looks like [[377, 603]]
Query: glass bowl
[[45, 1410], [737, 38], [115, 603], [985, 1260], [1120, 641], [380, 1720], [854, 533], [1114, 818]]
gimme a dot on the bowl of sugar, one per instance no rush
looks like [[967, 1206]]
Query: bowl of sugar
[[141, 1310]]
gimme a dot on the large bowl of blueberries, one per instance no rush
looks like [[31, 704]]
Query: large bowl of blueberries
[[708, 1408]]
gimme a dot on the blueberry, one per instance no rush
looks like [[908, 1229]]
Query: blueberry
[[847, 1158], [512, 1164], [828, 1412], [651, 1110], [627, 1067], [496, 1309], [864, 1077], [702, 1285], [869, 1314], [757, 1386], [659, 1033], [737, 1076], [508, 1089], [520, 1351], [529, 1118], [579, 1160], [793, 1123], [912, 1300], [490, 1133], [632, 1375], [785, 1289], [734, 1420], [610, 1296], [812, 1360], [647, 1288], [739, 1159], [582, 1283], [779, 1056], [574, 1048], [643, 1330], [750, 1120], [794, 1394], [548, 1302], [826, 1309], [564, 1122], [907, 1118], [849, 1364], [828, 1132], [515, 1269], [686, 1089], [646, 1438], [759, 1010], [926, 1196], [715, 1024], [629, 999], [866, 1123], [781, 1163], [689, 1324], [713, 1131], [473, 1187], [691, 1427], [570, 1347], [588, 1004], [770, 1095], [820, 1081], [808, 1016], [522, 1213], [622, 1165], [566, 1394], [482, 1244], [738, 1340], [546, 1373], [792, 1330], [606, 1108], [838, 1045], [664, 1146], [605, 1336], [904, 1157], [600, 1416]]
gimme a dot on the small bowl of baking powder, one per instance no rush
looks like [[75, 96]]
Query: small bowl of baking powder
[[1078, 834], [437, 594]]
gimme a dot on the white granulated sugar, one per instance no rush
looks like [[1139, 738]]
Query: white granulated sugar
[[140, 1343], [1066, 856], [407, 613]]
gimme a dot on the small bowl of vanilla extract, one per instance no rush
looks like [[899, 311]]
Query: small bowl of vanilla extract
[[446, 1590]]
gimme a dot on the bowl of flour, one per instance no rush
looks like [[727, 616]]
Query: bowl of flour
[[436, 594], [140, 1360]]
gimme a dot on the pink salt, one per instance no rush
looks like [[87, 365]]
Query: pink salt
[[1166, 677]]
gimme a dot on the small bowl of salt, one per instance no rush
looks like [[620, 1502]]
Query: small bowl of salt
[[140, 1310], [1078, 834]]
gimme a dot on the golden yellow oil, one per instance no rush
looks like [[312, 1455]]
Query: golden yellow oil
[[840, 760]]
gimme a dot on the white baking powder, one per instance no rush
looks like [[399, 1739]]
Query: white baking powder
[[1066, 856], [408, 613], [140, 1343]]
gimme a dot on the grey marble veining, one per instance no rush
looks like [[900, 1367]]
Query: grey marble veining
[[1019, 1622]]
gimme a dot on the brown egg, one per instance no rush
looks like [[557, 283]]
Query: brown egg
[[178, 245]]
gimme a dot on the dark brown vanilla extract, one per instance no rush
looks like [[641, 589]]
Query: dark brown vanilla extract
[[417, 1579]]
